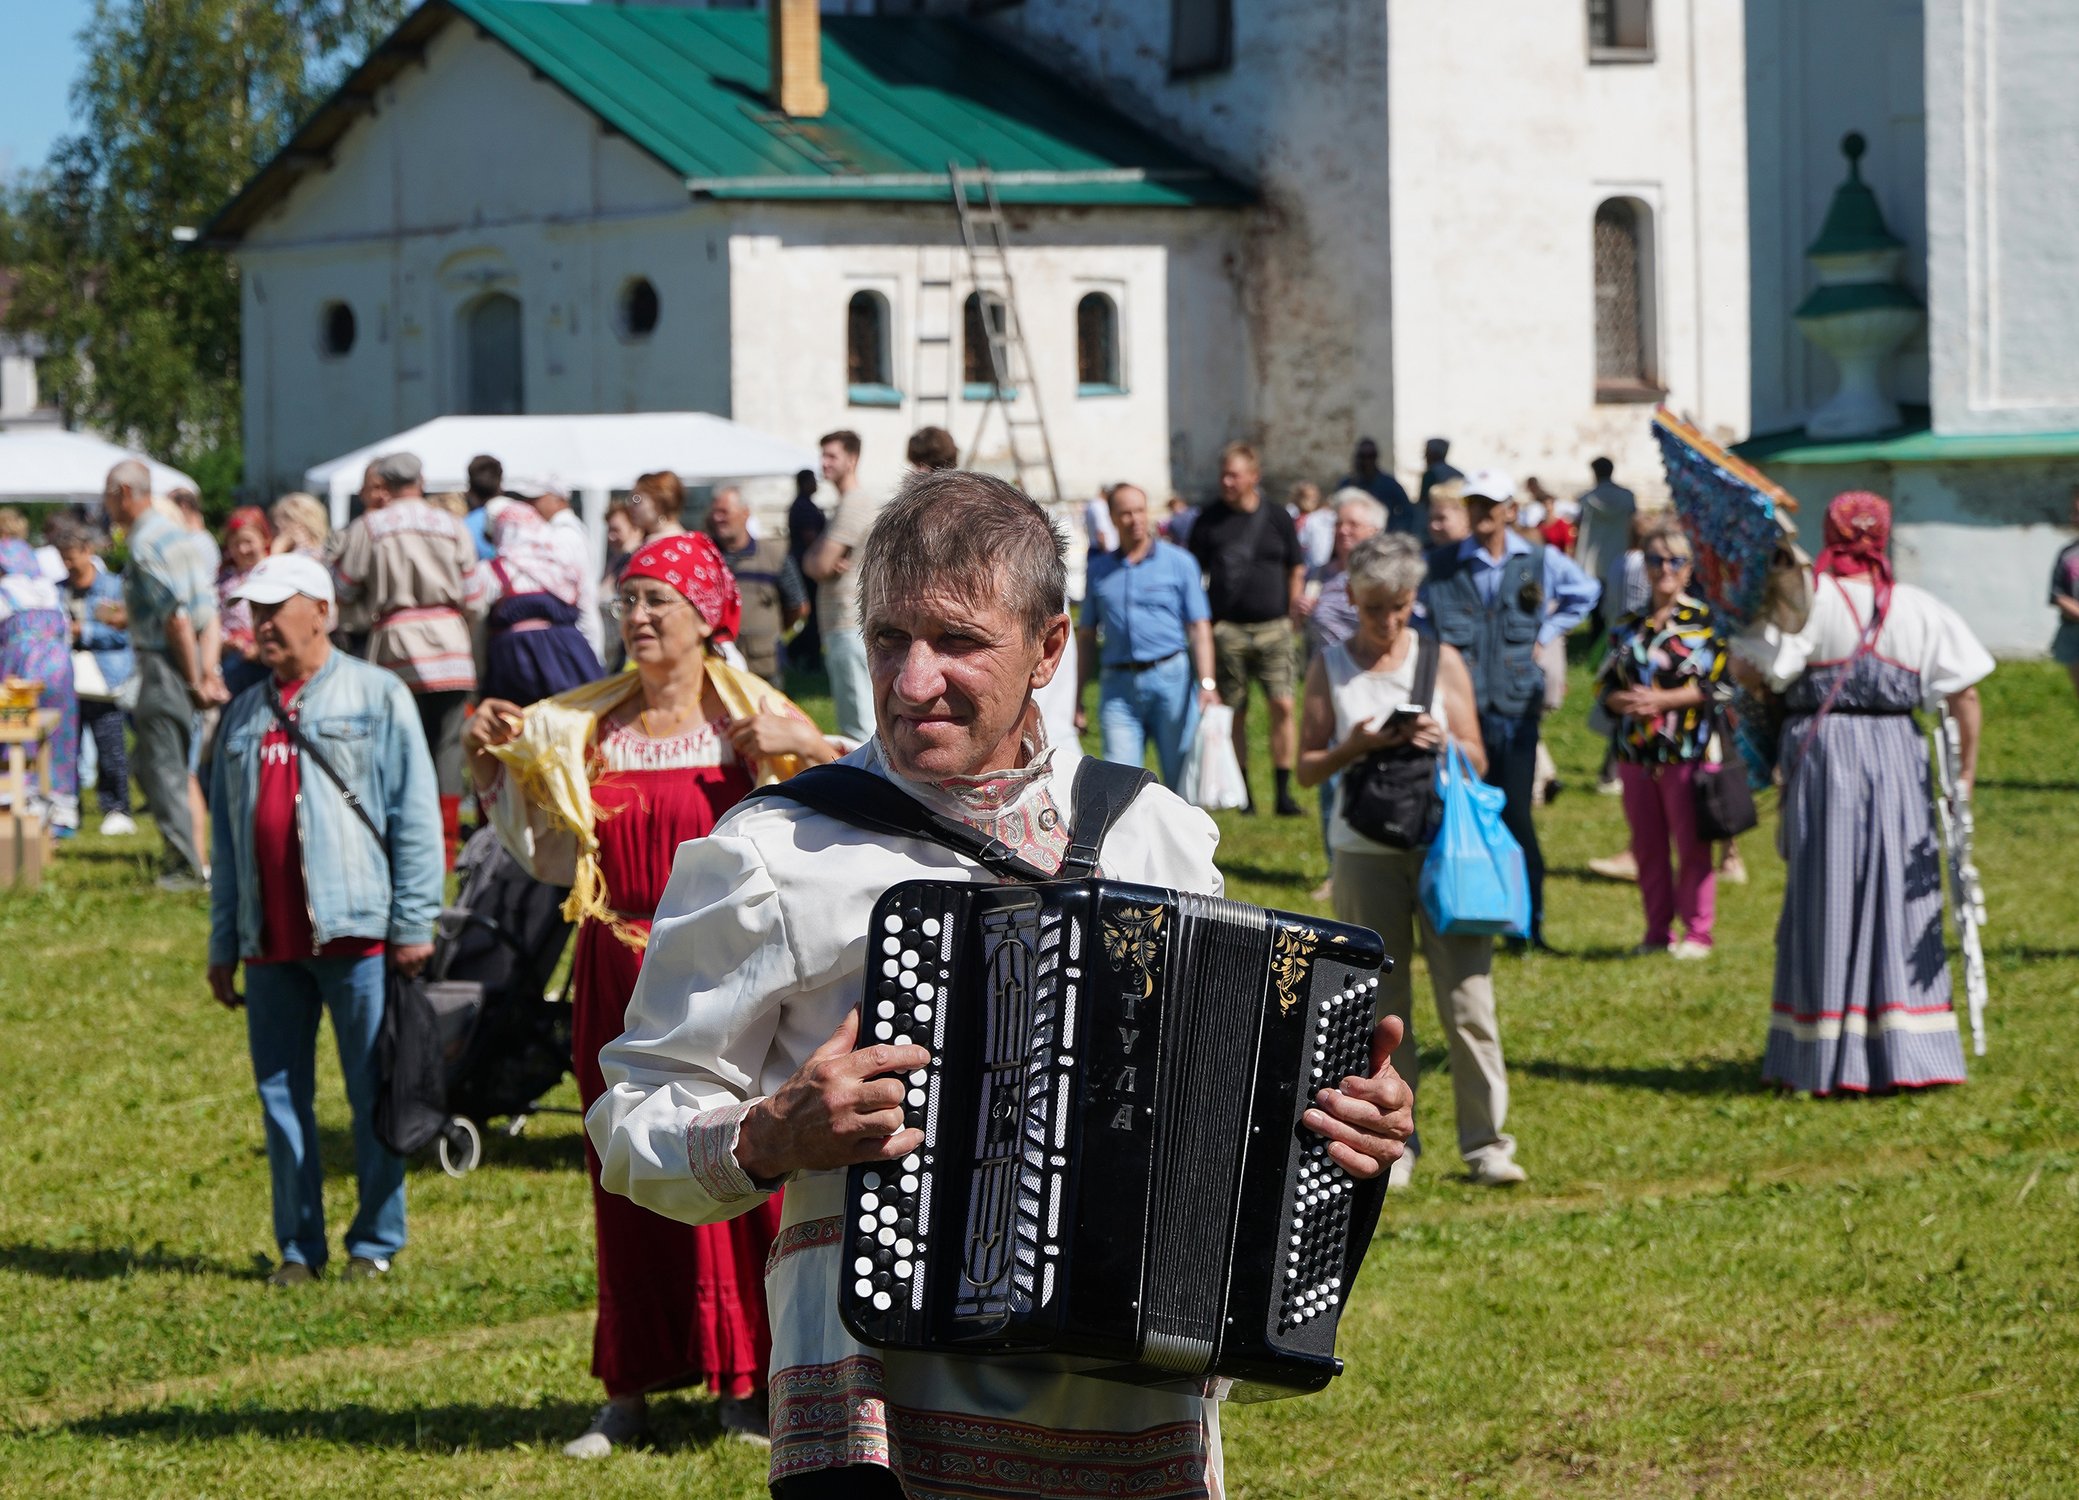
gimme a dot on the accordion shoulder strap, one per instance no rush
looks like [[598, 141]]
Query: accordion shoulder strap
[[1104, 790], [852, 795]]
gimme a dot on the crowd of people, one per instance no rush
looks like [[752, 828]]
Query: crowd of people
[[314, 713]]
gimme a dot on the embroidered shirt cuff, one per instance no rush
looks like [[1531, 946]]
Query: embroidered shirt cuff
[[711, 1153]]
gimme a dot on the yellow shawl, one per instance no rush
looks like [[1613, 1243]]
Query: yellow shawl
[[548, 765]]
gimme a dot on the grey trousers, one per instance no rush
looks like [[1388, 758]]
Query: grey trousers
[[1379, 891], [165, 723]]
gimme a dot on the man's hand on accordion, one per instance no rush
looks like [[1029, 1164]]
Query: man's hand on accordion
[[840, 1107], [1367, 1121]]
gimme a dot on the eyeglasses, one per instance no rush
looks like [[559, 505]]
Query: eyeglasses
[[628, 606], [1658, 561]]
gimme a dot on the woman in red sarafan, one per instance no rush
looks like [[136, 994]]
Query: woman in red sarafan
[[597, 788]]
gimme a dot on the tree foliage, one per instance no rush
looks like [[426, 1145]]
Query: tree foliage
[[179, 101]]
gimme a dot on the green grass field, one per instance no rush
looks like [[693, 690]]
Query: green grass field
[[1705, 1289]]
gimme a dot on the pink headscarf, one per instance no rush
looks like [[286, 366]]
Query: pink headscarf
[[1858, 541]]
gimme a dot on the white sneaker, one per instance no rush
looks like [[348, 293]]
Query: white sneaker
[[118, 825], [616, 1425], [1496, 1171], [745, 1420], [1689, 951], [1615, 866]]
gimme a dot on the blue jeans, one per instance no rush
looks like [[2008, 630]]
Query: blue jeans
[[851, 688], [1512, 760], [1158, 703], [282, 1003], [1328, 795]]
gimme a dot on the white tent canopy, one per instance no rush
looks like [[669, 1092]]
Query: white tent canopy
[[583, 453], [49, 463]]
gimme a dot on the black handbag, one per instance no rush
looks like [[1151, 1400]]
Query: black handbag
[[1391, 795], [1724, 801]]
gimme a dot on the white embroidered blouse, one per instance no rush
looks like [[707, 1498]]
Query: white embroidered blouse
[[757, 953]]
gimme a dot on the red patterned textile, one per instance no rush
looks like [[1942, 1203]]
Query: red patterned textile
[[693, 565], [1858, 542]]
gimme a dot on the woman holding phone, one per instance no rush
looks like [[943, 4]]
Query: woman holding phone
[[1361, 707]]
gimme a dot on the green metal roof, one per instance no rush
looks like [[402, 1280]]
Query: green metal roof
[[907, 96], [1914, 443]]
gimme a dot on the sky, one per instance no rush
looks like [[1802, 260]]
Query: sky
[[37, 66]]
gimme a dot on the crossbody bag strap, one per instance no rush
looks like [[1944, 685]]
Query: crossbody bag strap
[[302, 742], [857, 796], [1428, 655], [1104, 790]]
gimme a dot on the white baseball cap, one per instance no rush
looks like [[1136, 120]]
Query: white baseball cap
[[283, 577], [1489, 484]]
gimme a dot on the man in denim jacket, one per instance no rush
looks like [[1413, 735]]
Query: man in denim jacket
[[313, 904]]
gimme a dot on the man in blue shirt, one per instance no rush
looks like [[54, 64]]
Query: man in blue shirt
[[1146, 634], [1365, 474], [1496, 597]]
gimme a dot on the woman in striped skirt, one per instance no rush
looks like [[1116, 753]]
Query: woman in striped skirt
[[1862, 1000]]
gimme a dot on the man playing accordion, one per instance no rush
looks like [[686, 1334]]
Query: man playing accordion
[[738, 1073]]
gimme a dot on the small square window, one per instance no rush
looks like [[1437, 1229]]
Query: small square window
[[1620, 30], [1201, 37]]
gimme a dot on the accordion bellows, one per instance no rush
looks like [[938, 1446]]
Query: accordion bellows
[[1114, 1177]]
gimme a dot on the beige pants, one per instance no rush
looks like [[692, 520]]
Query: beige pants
[[1379, 891]]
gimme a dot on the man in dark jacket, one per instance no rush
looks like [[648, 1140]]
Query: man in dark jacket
[[1495, 596]]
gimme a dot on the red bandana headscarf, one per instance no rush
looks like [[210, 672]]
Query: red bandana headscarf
[[693, 565], [1858, 543]]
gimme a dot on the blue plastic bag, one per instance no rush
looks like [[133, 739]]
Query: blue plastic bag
[[1474, 879]]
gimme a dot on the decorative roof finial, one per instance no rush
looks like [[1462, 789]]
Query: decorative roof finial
[[1852, 147]]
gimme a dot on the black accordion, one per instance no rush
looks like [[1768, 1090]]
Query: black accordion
[[1114, 1177]]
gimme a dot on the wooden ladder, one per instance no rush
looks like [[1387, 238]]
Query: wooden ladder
[[1013, 389]]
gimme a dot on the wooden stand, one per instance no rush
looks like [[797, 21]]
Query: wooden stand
[[25, 837]]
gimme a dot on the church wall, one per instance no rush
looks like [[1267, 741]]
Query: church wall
[[1505, 140], [1980, 536], [1814, 73], [2002, 137], [473, 178], [794, 268], [1302, 117]]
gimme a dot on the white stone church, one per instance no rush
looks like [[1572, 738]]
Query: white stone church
[[1515, 223]]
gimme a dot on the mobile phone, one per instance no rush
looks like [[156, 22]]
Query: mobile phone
[[1405, 713]]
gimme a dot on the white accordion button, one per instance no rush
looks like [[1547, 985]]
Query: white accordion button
[[908, 978], [930, 927], [902, 1270], [863, 1266], [918, 1077], [891, 923], [868, 1223], [890, 968], [908, 1183], [888, 1214], [909, 958], [882, 1301], [911, 1162], [869, 1201], [884, 1030], [891, 945], [905, 1249], [863, 1288], [916, 1096], [887, 1237], [885, 1010]]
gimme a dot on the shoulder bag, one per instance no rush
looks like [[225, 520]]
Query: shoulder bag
[[1390, 796], [1724, 800]]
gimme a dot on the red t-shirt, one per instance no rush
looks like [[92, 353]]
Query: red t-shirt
[[285, 934]]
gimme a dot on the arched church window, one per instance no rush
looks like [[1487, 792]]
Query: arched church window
[[1097, 346], [869, 351], [1625, 368], [983, 317]]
